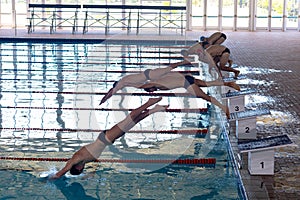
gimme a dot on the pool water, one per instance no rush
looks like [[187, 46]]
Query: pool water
[[50, 94]]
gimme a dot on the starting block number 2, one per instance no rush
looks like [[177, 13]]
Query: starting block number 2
[[246, 128]]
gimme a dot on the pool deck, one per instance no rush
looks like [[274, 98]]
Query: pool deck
[[275, 50]]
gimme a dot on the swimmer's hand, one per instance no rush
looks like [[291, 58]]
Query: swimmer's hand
[[53, 177], [50, 175]]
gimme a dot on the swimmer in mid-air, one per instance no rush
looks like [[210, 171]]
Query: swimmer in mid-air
[[221, 56], [217, 56], [191, 84], [216, 38], [92, 151], [138, 79]]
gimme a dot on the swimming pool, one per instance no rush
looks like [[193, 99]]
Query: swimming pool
[[50, 93]]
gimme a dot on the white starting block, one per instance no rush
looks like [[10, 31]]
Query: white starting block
[[246, 123], [261, 153], [236, 100], [225, 89], [227, 78]]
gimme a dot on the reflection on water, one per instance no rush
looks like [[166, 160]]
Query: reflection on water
[[49, 104], [167, 183]]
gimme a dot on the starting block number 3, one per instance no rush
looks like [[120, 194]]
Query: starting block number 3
[[237, 104]]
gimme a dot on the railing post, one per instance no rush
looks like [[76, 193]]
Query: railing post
[[85, 27], [107, 22], [75, 22], [129, 22], [52, 22], [138, 23], [159, 22]]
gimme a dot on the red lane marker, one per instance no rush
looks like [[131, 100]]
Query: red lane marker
[[109, 71], [187, 131], [194, 110], [183, 94], [192, 161]]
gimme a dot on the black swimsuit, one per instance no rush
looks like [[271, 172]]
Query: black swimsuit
[[102, 138], [146, 73], [189, 80], [226, 51], [223, 36]]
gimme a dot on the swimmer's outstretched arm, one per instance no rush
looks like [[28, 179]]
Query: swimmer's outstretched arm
[[82, 156], [92, 151]]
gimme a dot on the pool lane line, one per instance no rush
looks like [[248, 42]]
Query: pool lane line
[[95, 71], [188, 110], [110, 56], [186, 161], [198, 131], [103, 44], [166, 94], [66, 63], [102, 49]]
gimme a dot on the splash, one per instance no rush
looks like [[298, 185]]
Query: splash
[[256, 70], [48, 173]]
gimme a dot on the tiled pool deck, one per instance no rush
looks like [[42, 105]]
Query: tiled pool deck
[[269, 51]]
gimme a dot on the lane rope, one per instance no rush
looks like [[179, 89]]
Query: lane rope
[[188, 110], [186, 131], [192, 161]]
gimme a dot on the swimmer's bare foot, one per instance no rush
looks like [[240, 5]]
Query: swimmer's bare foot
[[158, 108], [153, 101], [226, 110], [230, 63], [233, 85], [107, 96], [227, 113], [236, 74]]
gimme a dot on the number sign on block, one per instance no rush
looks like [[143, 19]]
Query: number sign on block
[[246, 123], [246, 128], [236, 100], [261, 162], [236, 104], [261, 153]]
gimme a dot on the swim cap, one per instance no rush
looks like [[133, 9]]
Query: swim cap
[[202, 38], [204, 44]]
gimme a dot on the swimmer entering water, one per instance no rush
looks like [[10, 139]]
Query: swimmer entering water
[[92, 151]]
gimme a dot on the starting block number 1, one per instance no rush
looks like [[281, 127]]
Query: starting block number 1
[[261, 162]]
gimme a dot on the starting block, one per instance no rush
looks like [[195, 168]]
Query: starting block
[[261, 153], [227, 78], [236, 100], [226, 89], [246, 123]]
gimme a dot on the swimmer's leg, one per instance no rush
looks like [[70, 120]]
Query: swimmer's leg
[[135, 116]]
